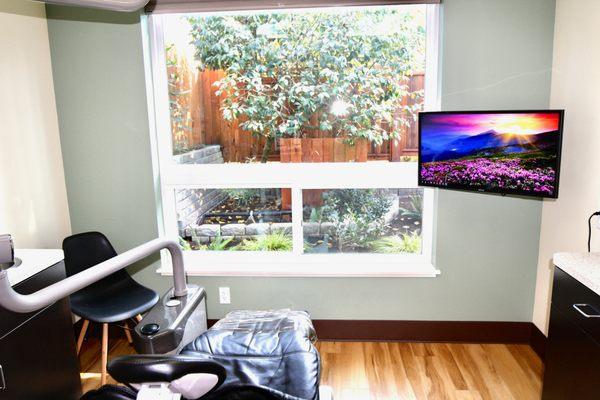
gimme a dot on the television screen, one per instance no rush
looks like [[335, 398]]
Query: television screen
[[513, 152]]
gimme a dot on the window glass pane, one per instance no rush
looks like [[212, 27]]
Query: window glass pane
[[235, 219], [362, 220], [336, 85]]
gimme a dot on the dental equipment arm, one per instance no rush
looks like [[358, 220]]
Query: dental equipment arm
[[16, 302]]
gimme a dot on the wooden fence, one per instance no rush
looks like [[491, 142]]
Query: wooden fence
[[197, 120]]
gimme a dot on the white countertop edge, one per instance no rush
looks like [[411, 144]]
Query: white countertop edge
[[34, 262], [585, 267]]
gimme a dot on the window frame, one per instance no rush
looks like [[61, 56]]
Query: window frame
[[170, 176]]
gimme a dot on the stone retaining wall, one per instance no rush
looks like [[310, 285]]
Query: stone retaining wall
[[210, 154], [194, 203], [203, 234]]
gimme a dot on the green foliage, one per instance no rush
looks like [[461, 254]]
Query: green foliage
[[415, 207], [370, 204], [181, 123], [284, 71], [354, 232], [243, 197], [218, 244], [271, 242], [407, 243], [316, 214], [357, 215], [185, 245]]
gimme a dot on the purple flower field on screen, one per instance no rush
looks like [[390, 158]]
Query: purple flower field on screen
[[483, 172]]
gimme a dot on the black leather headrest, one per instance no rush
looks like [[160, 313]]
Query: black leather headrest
[[159, 368]]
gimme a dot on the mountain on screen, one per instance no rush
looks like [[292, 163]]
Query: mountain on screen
[[488, 143]]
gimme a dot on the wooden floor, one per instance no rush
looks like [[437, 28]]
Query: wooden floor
[[430, 371], [383, 370]]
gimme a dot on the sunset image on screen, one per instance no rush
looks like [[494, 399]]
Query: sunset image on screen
[[513, 152]]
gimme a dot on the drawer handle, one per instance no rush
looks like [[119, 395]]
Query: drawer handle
[[2, 381], [578, 308]]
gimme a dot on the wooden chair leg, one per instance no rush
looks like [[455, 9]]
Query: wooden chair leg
[[104, 353], [127, 333], [84, 328]]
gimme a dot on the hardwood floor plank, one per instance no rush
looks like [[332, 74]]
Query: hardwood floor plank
[[440, 385], [498, 389], [403, 383], [509, 370], [470, 371], [458, 380], [528, 360], [414, 370], [398, 371]]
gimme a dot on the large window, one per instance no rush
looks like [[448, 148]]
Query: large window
[[287, 140]]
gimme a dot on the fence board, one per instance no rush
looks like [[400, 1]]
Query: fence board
[[362, 151], [209, 127], [316, 151], [296, 150], [339, 150], [328, 152]]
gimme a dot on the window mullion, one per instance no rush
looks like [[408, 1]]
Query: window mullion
[[297, 235]]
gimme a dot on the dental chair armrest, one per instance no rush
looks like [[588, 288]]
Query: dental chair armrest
[[138, 369]]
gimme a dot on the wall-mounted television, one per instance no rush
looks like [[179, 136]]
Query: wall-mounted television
[[508, 152]]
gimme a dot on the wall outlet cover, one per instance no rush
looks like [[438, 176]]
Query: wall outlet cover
[[224, 295]]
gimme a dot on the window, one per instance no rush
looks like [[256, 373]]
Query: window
[[287, 143], [384, 221]]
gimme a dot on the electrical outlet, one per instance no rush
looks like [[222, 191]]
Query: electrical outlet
[[224, 295]]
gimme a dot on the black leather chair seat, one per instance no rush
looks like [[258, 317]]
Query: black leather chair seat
[[113, 301], [274, 350]]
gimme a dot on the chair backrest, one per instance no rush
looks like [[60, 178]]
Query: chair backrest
[[84, 250]]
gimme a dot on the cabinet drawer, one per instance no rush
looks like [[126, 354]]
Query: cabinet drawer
[[10, 320], [574, 300], [39, 360], [572, 362]]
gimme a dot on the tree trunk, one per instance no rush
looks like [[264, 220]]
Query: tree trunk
[[267, 149]]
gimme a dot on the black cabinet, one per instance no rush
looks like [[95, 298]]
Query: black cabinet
[[573, 349], [37, 350]]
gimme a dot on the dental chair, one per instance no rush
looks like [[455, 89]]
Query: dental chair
[[262, 355], [246, 355]]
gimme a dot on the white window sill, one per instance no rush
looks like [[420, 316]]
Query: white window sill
[[411, 270]]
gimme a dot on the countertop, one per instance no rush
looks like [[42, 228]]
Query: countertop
[[34, 262], [585, 267]]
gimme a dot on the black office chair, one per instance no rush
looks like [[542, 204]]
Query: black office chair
[[116, 298]]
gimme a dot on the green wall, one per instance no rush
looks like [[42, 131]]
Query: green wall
[[495, 54]]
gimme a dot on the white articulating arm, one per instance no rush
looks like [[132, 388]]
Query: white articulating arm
[[16, 302]]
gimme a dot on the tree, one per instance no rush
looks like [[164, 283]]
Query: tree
[[288, 73]]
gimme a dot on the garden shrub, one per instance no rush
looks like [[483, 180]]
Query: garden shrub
[[243, 197], [285, 71], [357, 215], [407, 243], [218, 244], [272, 242], [415, 207]]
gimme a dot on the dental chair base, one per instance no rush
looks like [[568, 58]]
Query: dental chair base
[[172, 323]]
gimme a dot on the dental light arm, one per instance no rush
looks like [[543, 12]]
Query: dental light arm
[[16, 302]]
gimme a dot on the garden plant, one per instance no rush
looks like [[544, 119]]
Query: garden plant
[[362, 220], [289, 73]]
